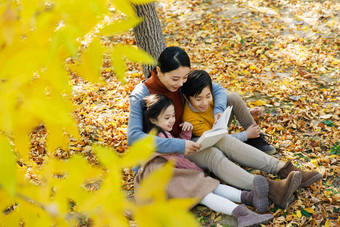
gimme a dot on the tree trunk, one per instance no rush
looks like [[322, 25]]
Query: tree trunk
[[149, 35]]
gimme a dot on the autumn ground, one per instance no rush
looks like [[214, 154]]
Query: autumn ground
[[282, 55]]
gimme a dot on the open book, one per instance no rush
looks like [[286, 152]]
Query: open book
[[211, 137]]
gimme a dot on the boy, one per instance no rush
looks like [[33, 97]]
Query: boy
[[199, 111]]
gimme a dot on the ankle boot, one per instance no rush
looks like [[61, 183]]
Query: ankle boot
[[308, 178], [258, 197], [246, 217], [281, 191]]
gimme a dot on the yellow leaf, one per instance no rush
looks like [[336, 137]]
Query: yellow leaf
[[144, 217], [253, 67], [81, 14], [132, 53], [8, 22], [91, 62], [218, 218], [120, 26], [298, 214], [110, 219], [33, 215], [139, 152], [52, 109], [5, 200], [8, 164], [64, 43], [124, 7], [11, 219], [135, 54], [22, 125], [142, 1], [106, 156], [153, 187], [327, 223], [29, 9], [309, 210], [167, 213], [17, 76], [258, 103], [8, 102], [56, 76]]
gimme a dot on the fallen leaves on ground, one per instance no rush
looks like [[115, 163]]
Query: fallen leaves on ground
[[281, 55]]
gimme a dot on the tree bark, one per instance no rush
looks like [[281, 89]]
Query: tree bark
[[148, 34]]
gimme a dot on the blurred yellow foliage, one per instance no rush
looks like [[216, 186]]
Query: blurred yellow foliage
[[36, 37]]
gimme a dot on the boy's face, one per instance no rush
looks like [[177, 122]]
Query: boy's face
[[201, 101]]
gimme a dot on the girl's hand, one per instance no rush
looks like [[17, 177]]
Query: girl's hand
[[253, 131], [186, 126], [256, 111], [216, 117], [191, 147]]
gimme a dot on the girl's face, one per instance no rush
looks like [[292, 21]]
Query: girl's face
[[174, 79], [166, 119], [202, 101]]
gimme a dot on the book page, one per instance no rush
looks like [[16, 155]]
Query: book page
[[211, 137], [222, 122]]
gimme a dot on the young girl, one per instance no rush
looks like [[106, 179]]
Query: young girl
[[190, 181]]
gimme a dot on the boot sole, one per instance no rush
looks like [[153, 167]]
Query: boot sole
[[293, 186], [271, 152], [311, 180], [258, 224], [261, 188]]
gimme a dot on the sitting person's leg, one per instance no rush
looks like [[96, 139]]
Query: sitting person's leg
[[240, 110], [213, 159], [246, 155], [308, 177], [244, 216], [249, 156], [227, 171], [242, 114], [257, 197]]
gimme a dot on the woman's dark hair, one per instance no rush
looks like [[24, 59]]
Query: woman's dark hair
[[196, 82], [155, 104], [172, 58]]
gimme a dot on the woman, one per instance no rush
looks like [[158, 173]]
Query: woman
[[167, 79]]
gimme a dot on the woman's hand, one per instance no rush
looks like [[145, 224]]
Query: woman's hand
[[253, 131], [191, 147], [186, 126], [256, 111], [216, 117]]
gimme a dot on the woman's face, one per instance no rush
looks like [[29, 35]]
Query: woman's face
[[174, 79]]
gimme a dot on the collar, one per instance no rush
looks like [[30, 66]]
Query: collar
[[192, 108], [154, 84]]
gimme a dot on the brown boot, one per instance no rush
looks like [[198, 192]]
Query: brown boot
[[308, 178], [246, 217], [258, 197], [281, 191]]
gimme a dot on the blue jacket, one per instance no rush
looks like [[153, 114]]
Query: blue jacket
[[164, 145]]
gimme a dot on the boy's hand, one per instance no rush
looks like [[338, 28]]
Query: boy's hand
[[186, 126], [216, 117], [253, 131], [191, 147], [256, 111]]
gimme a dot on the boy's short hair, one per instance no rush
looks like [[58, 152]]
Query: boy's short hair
[[196, 82]]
